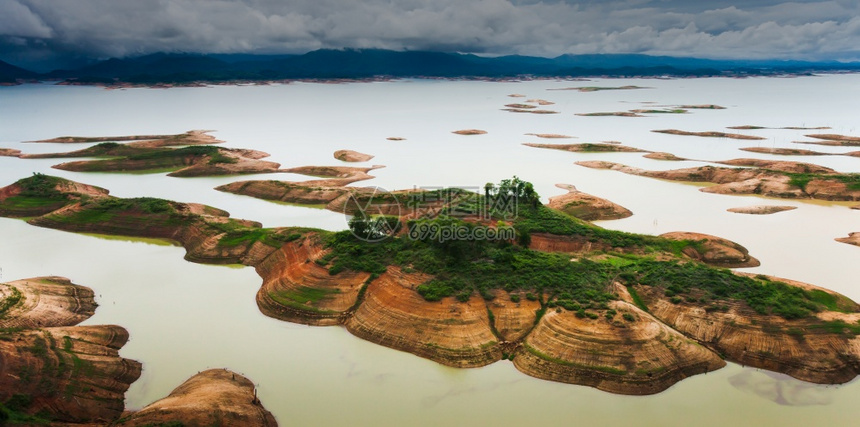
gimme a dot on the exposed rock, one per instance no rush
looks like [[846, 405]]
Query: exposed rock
[[782, 166], [396, 138], [703, 107], [470, 132], [213, 397], [799, 348], [767, 182], [835, 137], [762, 209], [46, 301], [784, 151], [520, 106], [588, 147], [549, 135], [852, 239], [351, 156], [639, 357], [663, 156], [71, 373], [599, 88], [611, 113], [709, 134], [714, 250], [297, 289], [9, 152], [448, 331], [192, 137], [523, 110], [585, 206], [541, 102], [189, 162]]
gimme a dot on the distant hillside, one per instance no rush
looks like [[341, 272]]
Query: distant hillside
[[10, 73], [365, 63]]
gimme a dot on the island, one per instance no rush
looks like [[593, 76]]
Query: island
[[709, 134], [588, 147], [789, 180], [561, 298]]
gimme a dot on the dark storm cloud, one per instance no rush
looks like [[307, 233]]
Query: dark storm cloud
[[809, 29]]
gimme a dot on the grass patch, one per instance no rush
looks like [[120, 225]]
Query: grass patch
[[14, 298]]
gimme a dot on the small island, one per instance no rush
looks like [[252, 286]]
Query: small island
[[588, 147], [789, 180], [711, 134], [352, 156], [470, 132], [761, 209]]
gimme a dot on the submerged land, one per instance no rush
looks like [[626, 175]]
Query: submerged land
[[565, 300]]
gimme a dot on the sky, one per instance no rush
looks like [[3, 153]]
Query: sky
[[50, 33]]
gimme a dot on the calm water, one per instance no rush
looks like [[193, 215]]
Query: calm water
[[184, 318]]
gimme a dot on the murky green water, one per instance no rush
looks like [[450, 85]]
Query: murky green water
[[184, 318]]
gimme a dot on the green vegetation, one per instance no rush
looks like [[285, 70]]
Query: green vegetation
[[247, 236], [152, 211], [709, 285], [156, 158], [801, 180], [10, 301]]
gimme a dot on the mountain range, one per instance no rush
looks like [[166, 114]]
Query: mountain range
[[366, 63]]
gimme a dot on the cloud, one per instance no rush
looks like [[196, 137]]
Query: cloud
[[812, 29]]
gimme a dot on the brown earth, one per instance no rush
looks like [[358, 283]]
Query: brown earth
[[332, 192], [450, 332], [192, 137], [9, 152], [713, 250], [778, 165], [597, 88], [520, 106], [541, 102], [588, 147], [703, 107], [72, 373], [746, 181], [470, 132], [663, 156], [784, 151], [239, 161], [642, 356], [550, 135], [585, 206], [210, 398], [852, 239], [47, 301], [761, 209], [709, 134], [351, 156], [611, 113], [523, 110], [291, 271], [835, 137], [396, 138], [795, 347]]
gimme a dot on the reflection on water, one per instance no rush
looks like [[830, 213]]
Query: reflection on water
[[780, 389], [184, 317]]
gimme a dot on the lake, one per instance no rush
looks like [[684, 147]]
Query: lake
[[184, 317]]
